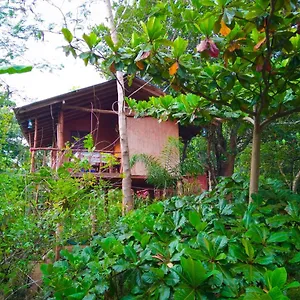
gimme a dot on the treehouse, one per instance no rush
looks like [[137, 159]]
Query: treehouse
[[59, 125]]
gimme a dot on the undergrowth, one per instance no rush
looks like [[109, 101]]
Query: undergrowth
[[212, 246]]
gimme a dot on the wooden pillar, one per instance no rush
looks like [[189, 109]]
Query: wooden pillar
[[53, 157], [60, 138], [32, 159], [60, 146]]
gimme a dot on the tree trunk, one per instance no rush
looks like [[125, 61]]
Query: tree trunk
[[296, 182], [255, 160], [127, 203], [227, 167]]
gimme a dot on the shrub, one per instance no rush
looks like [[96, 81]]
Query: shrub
[[199, 247]]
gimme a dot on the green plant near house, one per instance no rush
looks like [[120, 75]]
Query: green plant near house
[[176, 161], [31, 204], [199, 247]]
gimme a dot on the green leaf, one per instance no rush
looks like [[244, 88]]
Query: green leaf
[[15, 69], [278, 237], [179, 47], [77, 296], [91, 40], [276, 278], [149, 277], [130, 253], [172, 278], [248, 248], [154, 28], [193, 271], [220, 256], [276, 294], [292, 285], [67, 35], [46, 269], [89, 297], [195, 220], [110, 43], [164, 292], [207, 25], [185, 293], [295, 259], [266, 260]]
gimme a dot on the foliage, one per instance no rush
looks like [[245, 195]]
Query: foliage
[[12, 151], [280, 152], [157, 175], [200, 247], [231, 60], [15, 69], [176, 160], [30, 207], [19, 23]]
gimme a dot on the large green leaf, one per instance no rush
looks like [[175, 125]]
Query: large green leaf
[[193, 271], [257, 233], [207, 25], [153, 28], [184, 293], [130, 253], [278, 237], [276, 278], [179, 47], [67, 35], [248, 248], [195, 220], [91, 40], [276, 294], [15, 69]]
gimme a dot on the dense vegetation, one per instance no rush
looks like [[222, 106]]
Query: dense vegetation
[[231, 70], [202, 247]]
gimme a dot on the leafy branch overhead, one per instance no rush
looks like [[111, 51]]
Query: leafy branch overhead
[[237, 57], [223, 59]]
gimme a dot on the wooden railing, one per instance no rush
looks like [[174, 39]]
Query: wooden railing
[[99, 161]]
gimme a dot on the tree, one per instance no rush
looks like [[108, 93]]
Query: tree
[[280, 152], [126, 181], [18, 23], [245, 65]]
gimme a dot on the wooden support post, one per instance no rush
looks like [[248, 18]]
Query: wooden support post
[[32, 159], [60, 138], [53, 158], [60, 146]]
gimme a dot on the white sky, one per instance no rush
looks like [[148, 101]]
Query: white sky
[[42, 84]]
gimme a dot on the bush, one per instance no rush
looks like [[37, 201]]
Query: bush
[[190, 248], [31, 206]]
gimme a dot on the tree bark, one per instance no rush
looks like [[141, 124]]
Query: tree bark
[[255, 159], [231, 152], [296, 182], [127, 203]]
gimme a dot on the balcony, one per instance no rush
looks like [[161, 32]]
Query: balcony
[[101, 163]]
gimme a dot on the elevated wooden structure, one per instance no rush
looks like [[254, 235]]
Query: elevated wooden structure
[[49, 125]]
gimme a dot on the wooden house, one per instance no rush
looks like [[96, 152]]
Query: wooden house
[[49, 124]]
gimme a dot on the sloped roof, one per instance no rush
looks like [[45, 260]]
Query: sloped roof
[[100, 96]]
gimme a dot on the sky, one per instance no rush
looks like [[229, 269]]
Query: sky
[[69, 72]]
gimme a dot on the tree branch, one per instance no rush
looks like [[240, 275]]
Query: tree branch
[[248, 119], [212, 100], [279, 115]]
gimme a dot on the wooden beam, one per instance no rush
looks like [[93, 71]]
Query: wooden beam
[[95, 110], [32, 168], [73, 150]]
